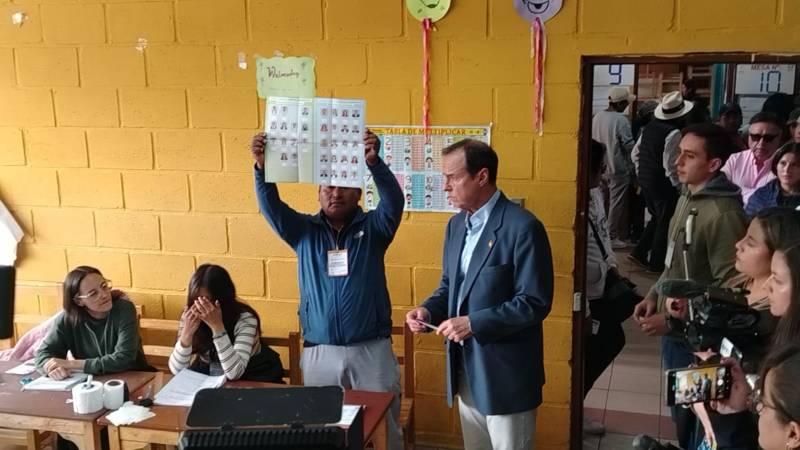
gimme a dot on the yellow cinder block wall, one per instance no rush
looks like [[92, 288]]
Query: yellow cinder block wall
[[137, 161]]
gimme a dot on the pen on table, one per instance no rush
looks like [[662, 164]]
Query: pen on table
[[434, 328]]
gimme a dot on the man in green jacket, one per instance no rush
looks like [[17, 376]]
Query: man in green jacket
[[710, 212]]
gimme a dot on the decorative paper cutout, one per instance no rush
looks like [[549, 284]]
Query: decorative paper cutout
[[537, 12], [544, 10], [428, 9]]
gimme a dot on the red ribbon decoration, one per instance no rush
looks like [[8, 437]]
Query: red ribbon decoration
[[538, 54], [427, 24]]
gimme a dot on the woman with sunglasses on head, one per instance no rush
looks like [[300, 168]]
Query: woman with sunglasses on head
[[98, 326], [784, 190], [218, 334]]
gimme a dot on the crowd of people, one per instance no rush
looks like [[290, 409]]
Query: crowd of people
[[722, 214], [496, 289]]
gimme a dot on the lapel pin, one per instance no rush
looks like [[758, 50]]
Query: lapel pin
[[491, 243]]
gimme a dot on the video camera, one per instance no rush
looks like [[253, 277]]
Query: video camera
[[714, 313]]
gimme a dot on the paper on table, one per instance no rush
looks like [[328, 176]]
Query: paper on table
[[10, 235], [23, 369], [181, 389], [348, 415], [130, 413], [285, 77], [49, 384]]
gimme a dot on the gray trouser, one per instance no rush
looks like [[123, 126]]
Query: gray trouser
[[618, 205], [500, 432], [367, 366]]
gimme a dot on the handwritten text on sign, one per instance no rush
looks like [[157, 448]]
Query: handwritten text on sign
[[285, 77]]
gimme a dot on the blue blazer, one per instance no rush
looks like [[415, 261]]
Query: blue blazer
[[508, 291]]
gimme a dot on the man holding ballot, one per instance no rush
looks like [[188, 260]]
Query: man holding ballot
[[345, 309]]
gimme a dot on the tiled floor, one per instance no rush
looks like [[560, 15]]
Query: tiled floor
[[628, 397]]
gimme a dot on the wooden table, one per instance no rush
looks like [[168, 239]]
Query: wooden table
[[170, 421], [49, 410]]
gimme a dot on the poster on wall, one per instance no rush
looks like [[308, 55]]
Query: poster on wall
[[315, 140], [417, 162]]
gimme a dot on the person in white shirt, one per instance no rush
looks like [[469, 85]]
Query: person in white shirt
[[752, 168], [612, 128]]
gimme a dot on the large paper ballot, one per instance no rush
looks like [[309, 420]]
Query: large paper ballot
[[315, 140]]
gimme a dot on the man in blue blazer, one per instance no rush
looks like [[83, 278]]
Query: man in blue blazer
[[496, 289]]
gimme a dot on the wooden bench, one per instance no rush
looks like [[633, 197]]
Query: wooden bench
[[158, 355], [406, 361]]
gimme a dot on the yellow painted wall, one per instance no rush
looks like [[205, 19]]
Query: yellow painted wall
[[137, 162]]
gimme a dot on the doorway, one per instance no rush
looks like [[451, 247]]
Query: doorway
[[628, 397]]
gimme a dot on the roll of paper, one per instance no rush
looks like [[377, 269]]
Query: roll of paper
[[87, 398], [113, 394]]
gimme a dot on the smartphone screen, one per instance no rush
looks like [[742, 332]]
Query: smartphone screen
[[698, 384]]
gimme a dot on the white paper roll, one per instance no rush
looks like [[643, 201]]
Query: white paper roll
[[113, 394], [87, 399]]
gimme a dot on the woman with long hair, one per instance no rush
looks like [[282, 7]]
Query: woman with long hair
[[98, 326], [220, 334], [784, 190], [784, 292]]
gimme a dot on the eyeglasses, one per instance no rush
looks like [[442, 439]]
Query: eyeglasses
[[758, 405], [105, 286], [767, 138]]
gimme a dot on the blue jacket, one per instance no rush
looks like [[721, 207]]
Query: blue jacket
[[769, 195], [508, 292], [340, 310]]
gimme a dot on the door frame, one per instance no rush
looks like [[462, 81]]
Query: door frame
[[582, 197]]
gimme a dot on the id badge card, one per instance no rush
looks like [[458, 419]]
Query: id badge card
[[337, 263], [668, 257]]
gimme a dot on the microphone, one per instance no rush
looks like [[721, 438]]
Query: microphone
[[680, 288], [690, 226]]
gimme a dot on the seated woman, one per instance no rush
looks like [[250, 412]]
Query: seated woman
[[219, 334], [98, 327], [732, 426], [784, 190]]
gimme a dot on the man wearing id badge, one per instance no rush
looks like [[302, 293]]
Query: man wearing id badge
[[496, 290], [707, 223], [345, 311]]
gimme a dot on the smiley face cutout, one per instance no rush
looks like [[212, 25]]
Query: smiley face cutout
[[428, 9], [543, 9]]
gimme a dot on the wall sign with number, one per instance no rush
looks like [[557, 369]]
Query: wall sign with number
[[764, 79]]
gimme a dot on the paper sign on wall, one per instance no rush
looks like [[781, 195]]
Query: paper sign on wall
[[285, 77], [315, 140]]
